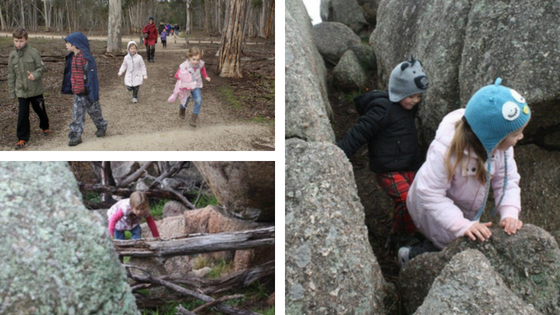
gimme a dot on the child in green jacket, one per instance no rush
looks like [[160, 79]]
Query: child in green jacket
[[25, 72]]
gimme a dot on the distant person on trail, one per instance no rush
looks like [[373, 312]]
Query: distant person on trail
[[388, 126], [161, 27], [25, 72], [195, 66], [150, 35], [126, 215], [168, 28], [80, 79], [471, 153], [135, 69], [163, 36]]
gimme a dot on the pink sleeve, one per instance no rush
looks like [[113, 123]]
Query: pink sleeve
[[177, 74], [153, 227], [203, 72], [113, 221]]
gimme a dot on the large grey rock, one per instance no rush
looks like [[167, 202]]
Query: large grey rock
[[330, 266], [466, 44], [469, 285], [307, 107], [333, 39], [56, 256], [347, 12], [540, 192], [370, 11], [245, 189], [528, 262], [349, 74]]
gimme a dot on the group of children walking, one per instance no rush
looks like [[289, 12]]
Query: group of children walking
[[442, 199], [26, 69]]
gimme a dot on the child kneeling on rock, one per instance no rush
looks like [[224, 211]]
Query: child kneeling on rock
[[126, 215], [195, 67], [472, 151]]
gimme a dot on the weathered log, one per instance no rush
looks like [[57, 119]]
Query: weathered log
[[183, 291], [217, 301], [172, 170], [191, 245], [183, 311]]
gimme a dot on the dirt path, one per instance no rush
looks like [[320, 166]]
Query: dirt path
[[153, 124]]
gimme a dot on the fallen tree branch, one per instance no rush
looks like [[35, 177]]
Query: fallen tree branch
[[180, 196], [183, 291], [217, 301], [134, 176], [192, 245], [183, 311], [236, 280], [172, 170]]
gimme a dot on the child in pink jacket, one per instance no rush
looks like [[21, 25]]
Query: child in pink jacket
[[472, 151], [135, 69], [127, 214]]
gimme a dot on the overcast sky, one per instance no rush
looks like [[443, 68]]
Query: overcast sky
[[313, 10]]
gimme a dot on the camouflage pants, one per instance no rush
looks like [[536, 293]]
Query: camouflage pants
[[81, 105]]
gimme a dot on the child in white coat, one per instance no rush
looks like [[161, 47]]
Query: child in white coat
[[135, 69], [472, 151]]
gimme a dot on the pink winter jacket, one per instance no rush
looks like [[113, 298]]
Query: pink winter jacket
[[135, 70], [443, 210]]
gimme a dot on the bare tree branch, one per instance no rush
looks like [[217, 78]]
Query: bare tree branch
[[125, 182]]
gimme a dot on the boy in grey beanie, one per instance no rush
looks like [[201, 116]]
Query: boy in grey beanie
[[387, 125]]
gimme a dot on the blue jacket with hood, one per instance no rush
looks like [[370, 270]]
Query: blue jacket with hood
[[91, 82]]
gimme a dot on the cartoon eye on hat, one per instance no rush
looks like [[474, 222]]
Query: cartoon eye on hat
[[510, 111]]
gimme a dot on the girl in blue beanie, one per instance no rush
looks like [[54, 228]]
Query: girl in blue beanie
[[472, 150]]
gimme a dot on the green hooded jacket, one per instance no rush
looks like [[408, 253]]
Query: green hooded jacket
[[19, 62]]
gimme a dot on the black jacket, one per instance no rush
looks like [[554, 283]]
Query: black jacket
[[388, 129]]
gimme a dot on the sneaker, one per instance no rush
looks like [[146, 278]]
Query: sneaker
[[74, 141], [46, 132], [21, 144], [100, 133], [134, 100], [403, 255], [182, 113]]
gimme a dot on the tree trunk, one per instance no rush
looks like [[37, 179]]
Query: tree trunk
[[232, 39], [114, 38], [270, 18], [22, 14], [2, 23], [198, 244]]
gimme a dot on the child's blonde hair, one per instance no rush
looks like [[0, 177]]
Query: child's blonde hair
[[194, 52], [139, 200], [20, 33], [465, 139]]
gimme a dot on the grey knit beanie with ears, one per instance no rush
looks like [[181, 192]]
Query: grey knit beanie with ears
[[408, 78]]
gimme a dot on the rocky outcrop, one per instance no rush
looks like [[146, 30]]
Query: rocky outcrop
[[54, 259], [245, 189], [527, 262], [348, 73], [307, 107], [469, 285], [466, 44], [330, 266], [333, 39], [173, 209], [347, 12]]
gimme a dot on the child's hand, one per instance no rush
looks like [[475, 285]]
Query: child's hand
[[120, 74], [146, 79], [208, 79], [480, 231], [511, 225], [30, 77]]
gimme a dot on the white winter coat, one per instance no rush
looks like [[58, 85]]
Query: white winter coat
[[443, 210], [135, 70]]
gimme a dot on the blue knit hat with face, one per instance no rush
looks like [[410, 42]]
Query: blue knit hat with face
[[407, 78], [495, 111]]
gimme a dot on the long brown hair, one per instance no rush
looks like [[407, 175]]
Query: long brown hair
[[465, 139]]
